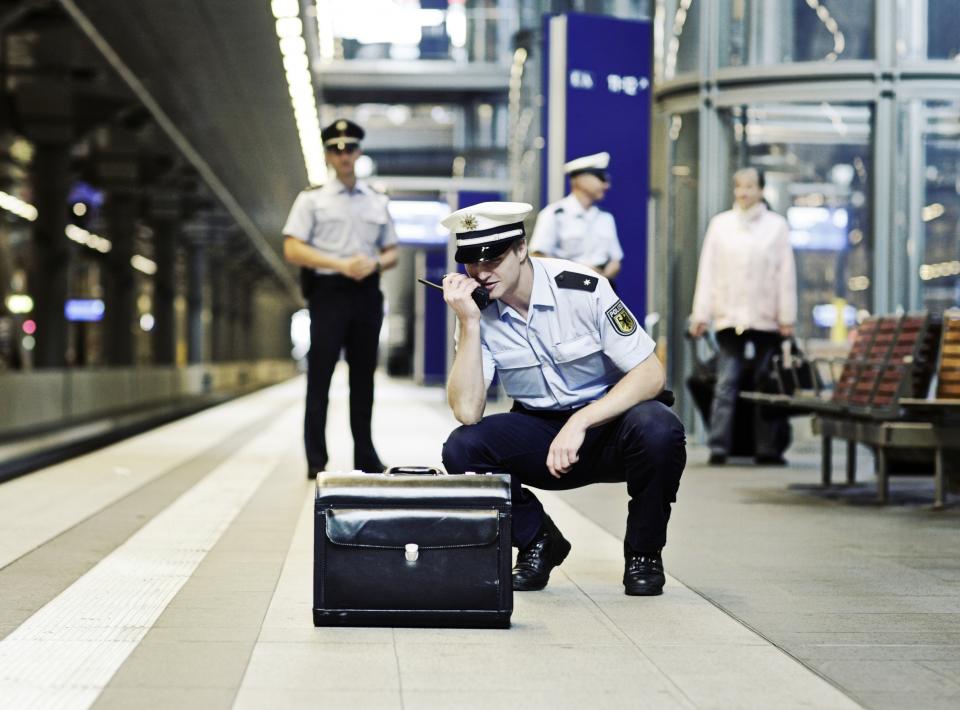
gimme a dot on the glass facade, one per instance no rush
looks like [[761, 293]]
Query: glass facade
[[770, 32], [929, 204], [852, 111], [816, 160], [677, 38], [928, 29]]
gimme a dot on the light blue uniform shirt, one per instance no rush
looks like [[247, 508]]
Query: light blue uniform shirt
[[574, 345], [342, 223], [567, 231]]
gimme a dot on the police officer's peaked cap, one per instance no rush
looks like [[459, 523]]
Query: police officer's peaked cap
[[595, 164], [485, 230], [341, 133]]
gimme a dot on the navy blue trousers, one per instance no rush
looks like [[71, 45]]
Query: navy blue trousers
[[645, 447], [345, 315]]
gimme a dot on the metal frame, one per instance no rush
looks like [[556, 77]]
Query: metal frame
[[883, 436]]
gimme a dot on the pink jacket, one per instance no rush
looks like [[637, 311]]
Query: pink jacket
[[747, 278]]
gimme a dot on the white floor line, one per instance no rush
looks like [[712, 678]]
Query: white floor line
[[66, 653], [36, 508]]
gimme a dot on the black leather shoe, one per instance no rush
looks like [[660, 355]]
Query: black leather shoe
[[643, 575], [312, 471], [717, 459], [369, 463], [548, 549]]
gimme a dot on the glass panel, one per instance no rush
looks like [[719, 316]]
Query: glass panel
[[937, 213], [676, 40], [816, 159], [416, 29], [928, 30], [768, 32], [682, 249]]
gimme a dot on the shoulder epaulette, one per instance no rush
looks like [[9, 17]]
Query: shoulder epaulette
[[558, 210], [311, 188], [575, 281]]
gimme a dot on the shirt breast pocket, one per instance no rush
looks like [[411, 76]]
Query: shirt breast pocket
[[329, 229], [580, 360], [519, 371], [371, 224]]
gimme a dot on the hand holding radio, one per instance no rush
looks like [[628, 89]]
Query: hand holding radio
[[479, 295]]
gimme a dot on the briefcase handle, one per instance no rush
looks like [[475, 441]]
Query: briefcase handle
[[415, 470]]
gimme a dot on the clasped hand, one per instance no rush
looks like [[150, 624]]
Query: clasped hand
[[359, 267], [565, 448]]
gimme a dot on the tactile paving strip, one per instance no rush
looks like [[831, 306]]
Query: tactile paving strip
[[66, 653]]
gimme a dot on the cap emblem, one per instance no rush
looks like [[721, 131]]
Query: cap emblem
[[341, 125], [468, 222]]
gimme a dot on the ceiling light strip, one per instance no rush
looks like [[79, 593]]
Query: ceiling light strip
[[296, 65]]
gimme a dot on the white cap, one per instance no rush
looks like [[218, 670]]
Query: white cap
[[597, 161], [485, 230]]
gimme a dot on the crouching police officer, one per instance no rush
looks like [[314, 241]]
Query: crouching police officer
[[587, 390], [342, 237]]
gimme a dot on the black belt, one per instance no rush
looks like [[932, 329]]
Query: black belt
[[311, 282], [665, 397], [554, 414]]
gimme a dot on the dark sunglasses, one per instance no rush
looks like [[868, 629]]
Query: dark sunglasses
[[348, 148]]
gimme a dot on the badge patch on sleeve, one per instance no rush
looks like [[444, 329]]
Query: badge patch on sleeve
[[622, 319]]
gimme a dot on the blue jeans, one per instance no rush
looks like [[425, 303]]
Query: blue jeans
[[645, 447], [769, 432]]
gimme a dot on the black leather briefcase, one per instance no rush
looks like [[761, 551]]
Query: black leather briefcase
[[412, 547]]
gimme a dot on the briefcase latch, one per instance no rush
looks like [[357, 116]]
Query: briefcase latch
[[412, 551]]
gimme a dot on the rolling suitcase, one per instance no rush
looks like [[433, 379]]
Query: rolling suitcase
[[412, 547]]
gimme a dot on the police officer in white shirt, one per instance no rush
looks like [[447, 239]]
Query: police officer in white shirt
[[342, 237], [747, 288], [589, 403], [575, 228]]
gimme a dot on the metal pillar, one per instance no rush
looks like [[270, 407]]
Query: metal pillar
[[197, 266], [164, 210], [48, 280], [120, 280]]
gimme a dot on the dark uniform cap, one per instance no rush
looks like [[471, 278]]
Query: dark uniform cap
[[341, 133], [485, 230]]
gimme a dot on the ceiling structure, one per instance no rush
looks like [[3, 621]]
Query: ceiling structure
[[210, 73]]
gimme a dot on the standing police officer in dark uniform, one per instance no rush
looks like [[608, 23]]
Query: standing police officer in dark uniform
[[342, 237], [589, 403]]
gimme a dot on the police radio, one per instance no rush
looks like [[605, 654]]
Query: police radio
[[480, 295]]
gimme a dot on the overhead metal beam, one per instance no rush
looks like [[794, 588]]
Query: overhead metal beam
[[439, 75], [413, 183], [220, 190]]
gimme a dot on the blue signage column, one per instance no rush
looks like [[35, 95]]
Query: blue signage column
[[434, 319], [597, 98]]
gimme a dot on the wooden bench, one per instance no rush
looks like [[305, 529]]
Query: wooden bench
[[888, 408]]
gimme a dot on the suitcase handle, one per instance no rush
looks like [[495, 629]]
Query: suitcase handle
[[415, 470]]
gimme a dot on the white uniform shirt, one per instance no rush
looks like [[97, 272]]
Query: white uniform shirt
[[574, 345], [340, 222], [746, 278], [567, 231]]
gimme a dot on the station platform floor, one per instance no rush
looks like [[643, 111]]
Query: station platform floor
[[173, 569]]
